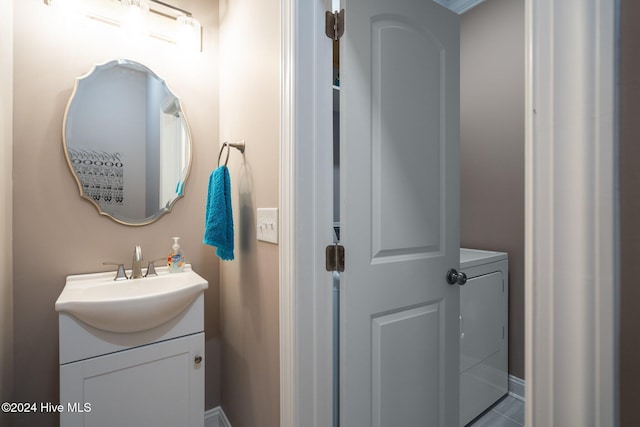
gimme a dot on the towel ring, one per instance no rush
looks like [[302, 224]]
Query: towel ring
[[239, 145]]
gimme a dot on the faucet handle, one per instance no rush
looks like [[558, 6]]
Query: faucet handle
[[151, 268], [120, 275]]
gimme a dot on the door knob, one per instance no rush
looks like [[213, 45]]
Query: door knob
[[454, 277]]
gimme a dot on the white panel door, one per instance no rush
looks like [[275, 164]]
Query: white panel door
[[399, 156]]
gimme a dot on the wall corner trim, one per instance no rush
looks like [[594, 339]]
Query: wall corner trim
[[216, 418], [459, 6]]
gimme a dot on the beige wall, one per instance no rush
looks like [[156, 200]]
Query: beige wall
[[6, 201], [492, 146], [57, 233], [249, 110], [630, 212]]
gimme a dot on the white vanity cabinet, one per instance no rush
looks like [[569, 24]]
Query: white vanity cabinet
[[151, 378], [155, 385]]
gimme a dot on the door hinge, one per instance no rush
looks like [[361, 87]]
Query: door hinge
[[334, 24], [334, 258]]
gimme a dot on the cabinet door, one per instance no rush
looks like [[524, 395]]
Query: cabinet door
[[159, 385]]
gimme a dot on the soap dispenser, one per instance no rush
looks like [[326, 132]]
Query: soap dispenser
[[175, 260]]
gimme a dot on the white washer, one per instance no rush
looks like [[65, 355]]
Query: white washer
[[484, 310]]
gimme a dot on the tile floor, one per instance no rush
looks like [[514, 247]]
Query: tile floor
[[509, 412]]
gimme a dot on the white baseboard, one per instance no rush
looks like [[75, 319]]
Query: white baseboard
[[516, 388], [216, 418]]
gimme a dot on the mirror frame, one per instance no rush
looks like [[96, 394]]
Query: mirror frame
[[162, 211]]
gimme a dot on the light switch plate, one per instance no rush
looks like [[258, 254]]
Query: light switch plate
[[267, 222]]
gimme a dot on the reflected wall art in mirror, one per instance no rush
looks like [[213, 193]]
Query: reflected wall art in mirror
[[127, 142]]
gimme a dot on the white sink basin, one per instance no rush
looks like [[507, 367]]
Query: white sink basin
[[130, 305]]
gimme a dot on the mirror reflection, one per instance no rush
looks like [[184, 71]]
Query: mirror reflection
[[127, 142]]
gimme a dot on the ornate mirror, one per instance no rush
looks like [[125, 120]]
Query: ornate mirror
[[127, 142]]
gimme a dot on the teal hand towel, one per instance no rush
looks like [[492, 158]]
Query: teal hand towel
[[218, 229]]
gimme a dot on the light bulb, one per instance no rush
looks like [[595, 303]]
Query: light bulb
[[188, 37], [68, 7], [135, 21], [69, 12]]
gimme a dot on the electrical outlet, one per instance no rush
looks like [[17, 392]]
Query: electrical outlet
[[267, 223]]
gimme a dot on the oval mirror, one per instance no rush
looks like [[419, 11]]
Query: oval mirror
[[127, 142]]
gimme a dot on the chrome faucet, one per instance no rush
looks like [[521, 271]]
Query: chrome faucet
[[136, 264]]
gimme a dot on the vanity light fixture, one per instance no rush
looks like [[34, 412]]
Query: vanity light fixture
[[144, 18]]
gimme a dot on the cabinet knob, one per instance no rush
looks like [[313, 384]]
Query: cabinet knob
[[197, 360]]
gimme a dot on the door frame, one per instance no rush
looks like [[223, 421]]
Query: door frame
[[571, 214], [306, 181]]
